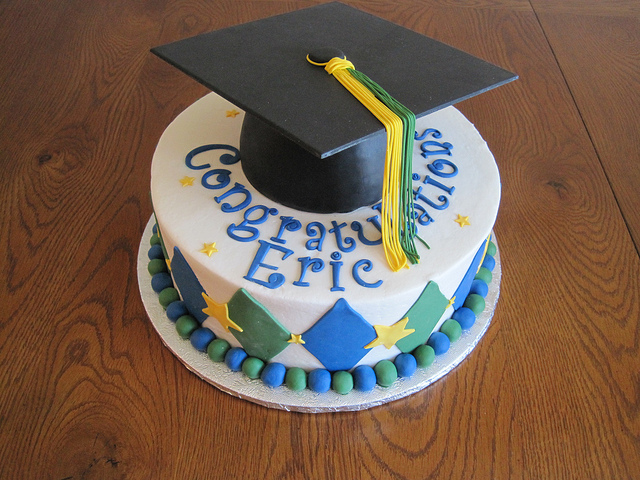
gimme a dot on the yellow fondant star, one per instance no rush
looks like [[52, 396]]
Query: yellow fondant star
[[209, 248], [296, 339], [187, 181], [233, 113], [168, 263], [451, 301], [462, 221], [389, 335], [220, 312]]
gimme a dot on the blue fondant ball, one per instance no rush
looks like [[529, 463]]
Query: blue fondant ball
[[439, 342], [234, 358], [273, 374], [201, 338], [405, 364], [176, 309], [154, 229], [319, 380], [479, 287], [489, 263], [156, 252], [364, 378], [465, 317], [160, 281]]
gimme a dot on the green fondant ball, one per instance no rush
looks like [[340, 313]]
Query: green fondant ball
[[386, 373], [167, 296], [217, 349], [157, 265], [342, 382], [186, 325], [252, 367], [475, 303], [451, 329], [485, 275], [425, 355], [155, 239], [296, 379], [491, 249]]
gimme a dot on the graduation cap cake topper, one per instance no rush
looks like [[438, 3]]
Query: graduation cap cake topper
[[306, 142]]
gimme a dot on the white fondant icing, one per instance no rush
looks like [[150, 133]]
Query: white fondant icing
[[189, 217]]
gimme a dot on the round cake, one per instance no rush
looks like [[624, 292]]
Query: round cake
[[272, 290]]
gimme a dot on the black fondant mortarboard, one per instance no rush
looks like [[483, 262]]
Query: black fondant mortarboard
[[306, 141]]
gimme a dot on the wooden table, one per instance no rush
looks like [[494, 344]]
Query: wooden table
[[89, 391]]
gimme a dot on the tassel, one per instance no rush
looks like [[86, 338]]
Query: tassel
[[398, 216]]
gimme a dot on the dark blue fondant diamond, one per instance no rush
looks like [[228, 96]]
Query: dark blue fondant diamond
[[339, 337], [189, 286]]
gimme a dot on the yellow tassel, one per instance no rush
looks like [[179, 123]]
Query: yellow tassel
[[391, 205]]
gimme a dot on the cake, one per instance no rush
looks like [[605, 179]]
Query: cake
[[281, 274]]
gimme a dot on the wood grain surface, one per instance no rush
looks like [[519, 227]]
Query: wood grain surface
[[87, 389]]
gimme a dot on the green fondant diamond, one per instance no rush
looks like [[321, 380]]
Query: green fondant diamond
[[262, 335], [423, 317]]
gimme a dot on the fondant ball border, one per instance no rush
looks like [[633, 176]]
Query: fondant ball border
[[363, 378]]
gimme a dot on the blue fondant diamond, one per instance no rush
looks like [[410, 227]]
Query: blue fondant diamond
[[190, 288], [339, 337], [463, 289]]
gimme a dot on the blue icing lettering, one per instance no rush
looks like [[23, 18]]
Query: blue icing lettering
[[429, 131], [246, 224], [223, 178], [315, 228], [239, 189], [316, 265], [247, 230], [423, 218], [366, 266], [289, 224], [357, 227], [442, 148], [419, 196], [430, 181], [437, 166], [345, 245], [335, 272], [275, 280], [225, 158], [375, 221], [445, 148]]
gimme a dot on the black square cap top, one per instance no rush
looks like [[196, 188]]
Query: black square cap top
[[261, 67]]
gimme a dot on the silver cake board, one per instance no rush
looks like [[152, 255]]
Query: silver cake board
[[239, 385]]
